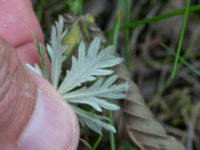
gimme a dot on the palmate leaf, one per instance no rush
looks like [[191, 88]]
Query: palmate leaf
[[89, 64], [97, 94], [93, 121]]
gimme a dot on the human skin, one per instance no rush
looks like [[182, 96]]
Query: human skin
[[33, 116]]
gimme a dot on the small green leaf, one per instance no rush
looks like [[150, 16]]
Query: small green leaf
[[89, 65], [56, 51], [94, 122], [97, 94]]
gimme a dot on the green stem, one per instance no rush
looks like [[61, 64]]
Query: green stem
[[74, 6], [39, 9], [116, 28], [111, 135], [41, 53], [169, 79], [183, 60], [137, 23], [127, 20], [97, 142], [114, 41], [115, 37], [180, 42]]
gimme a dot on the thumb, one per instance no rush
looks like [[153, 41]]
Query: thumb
[[32, 114]]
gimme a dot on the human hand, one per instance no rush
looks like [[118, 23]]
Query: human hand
[[32, 114]]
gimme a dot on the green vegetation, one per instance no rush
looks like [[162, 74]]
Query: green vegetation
[[158, 41]]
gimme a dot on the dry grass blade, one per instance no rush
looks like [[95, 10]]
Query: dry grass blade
[[139, 122]]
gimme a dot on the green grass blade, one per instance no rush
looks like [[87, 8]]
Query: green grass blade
[[114, 41], [39, 9], [127, 20], [97, 142], [182, 60], [41, 53], [169, 79], [116, 28], [136, 23], [74, 6], [115, 37], [180, 42], [111, 136]]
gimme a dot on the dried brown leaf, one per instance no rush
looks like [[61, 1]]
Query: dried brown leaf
[[140, 124]]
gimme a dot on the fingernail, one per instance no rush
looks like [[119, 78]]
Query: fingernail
[[52, 126]]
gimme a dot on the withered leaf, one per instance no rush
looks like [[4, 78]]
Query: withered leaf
[[138, 122]]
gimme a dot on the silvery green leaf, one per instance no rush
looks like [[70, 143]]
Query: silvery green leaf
[[98, 93], [56, 51], [35, 69], [88, 65], [94, 122], [85, 68]]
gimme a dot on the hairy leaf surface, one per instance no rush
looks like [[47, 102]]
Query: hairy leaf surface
[[89, 64], [97, 94], [56, 51], [93, 121]]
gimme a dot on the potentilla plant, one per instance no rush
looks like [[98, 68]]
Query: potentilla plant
[[89, 81]]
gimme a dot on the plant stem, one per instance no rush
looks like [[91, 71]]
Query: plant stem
[[116, 28], [74, 6], [39, 9], [97, 142], [137, 23], [169, 79], [127, 20], [115, 37], [180, 42], [111, 136], [183, 60]]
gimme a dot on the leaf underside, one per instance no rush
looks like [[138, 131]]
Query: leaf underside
[[93, 66]]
